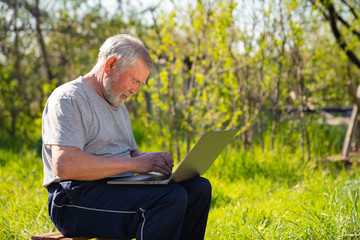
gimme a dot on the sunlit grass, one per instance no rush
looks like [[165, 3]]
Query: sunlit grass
[[22, 198], [257, 194], [318, 207]]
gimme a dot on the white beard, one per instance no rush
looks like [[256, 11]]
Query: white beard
[[114, 99]]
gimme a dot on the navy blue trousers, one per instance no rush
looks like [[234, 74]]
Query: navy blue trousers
[[97, 209]]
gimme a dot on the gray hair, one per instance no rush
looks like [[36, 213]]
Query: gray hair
[[127, 49]]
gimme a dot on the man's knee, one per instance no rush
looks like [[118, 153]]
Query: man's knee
[[178, 196], [175, 198], [200, 187], [204, 185]]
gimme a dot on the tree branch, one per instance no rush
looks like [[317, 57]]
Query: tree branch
[[324, 7], [346, 24], [352, 9], [333, 17]]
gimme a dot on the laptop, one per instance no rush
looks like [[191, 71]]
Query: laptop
[[196, 163]]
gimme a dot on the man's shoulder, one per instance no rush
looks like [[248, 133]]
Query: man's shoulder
[[70, 87], [75, 89]]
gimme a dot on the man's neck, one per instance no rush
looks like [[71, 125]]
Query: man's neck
[[94, 81]]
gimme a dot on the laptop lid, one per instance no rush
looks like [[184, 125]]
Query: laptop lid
[[203, 154], [196, 163]]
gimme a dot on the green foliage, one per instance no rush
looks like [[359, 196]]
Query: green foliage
[[217, 64]]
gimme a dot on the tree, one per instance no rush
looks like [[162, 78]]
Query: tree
[[343, 18]]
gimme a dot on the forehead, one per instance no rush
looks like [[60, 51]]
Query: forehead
[[139, 71]]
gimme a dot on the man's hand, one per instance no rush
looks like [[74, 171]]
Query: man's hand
[[161, 162]]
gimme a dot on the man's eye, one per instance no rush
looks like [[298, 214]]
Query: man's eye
[[135, 82]]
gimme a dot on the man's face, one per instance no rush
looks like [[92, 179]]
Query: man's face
[[120, 86], [113, 98]]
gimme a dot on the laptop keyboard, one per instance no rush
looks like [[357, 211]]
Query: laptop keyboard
[[157, 177]]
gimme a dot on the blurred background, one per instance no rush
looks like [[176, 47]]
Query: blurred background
[[251, 65]]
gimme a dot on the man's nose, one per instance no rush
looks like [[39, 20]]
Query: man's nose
[[133, 90]]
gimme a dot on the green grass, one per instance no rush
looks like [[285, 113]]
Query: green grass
[[22, 198], [279, 195], [317, 207], [270, 194]]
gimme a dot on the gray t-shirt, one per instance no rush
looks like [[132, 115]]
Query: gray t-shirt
[[75, 115]]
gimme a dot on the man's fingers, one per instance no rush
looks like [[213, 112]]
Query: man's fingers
[[162, 171], [161, 162], [169, 161], [161, 167]]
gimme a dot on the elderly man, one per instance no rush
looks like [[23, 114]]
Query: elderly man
[[87, 137]]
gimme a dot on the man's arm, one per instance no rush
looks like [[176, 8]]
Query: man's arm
[[163, 158], [72, 163]]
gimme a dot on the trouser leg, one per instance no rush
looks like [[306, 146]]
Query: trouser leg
[[197, 202], [164, 219], [199, 199], [97, 209]]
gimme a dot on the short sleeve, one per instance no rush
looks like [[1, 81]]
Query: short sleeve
[[64, 123]]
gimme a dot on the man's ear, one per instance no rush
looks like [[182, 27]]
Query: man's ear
[[110, 63]]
